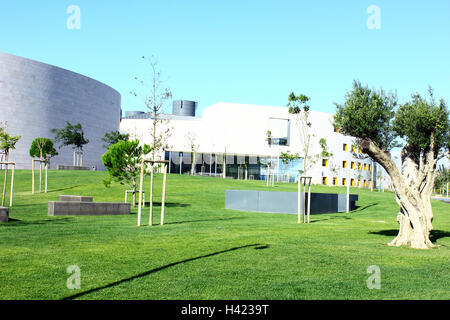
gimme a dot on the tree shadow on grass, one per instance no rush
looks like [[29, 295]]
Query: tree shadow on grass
[[434, 236], [169, 204], [20, 223], [206, 220], [144, 274], [358, 208], [62, 189]]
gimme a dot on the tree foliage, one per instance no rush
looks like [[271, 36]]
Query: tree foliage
[[42, 148], [71, 135], [113, 137], [123, 162], [423, 125], [7, 142]]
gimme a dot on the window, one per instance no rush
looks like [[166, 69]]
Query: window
[[365, 166], [344, 164], [359, 166], [279, 131], [334, 181], [370, 167], [365, 183], [353, 148], [344, 181], [359, 183], [359, 150], [352, 182], [324, 180], [336, 129], [344, 147], [352, 165], [324, 162]]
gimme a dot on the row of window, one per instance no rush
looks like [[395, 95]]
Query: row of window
[[361, 166], [345, 148], [344, 182]]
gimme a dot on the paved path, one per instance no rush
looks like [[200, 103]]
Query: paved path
[[443, 199]]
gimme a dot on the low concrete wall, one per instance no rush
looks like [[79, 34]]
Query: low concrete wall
[[4, 214], [286, 202], [75, 198], [66, 208], [64, 167]]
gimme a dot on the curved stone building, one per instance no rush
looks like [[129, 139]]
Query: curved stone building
[[37, 97]]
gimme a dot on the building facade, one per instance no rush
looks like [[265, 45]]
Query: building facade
[[232, 140], [37, 97]]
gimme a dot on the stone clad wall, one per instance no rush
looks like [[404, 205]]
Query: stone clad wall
[[37, 97]]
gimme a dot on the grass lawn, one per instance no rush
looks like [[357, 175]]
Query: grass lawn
[[207, 252]]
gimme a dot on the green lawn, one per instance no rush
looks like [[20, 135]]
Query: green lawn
[[207, 252]]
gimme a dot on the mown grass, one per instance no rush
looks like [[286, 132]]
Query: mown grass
[[207, 252]]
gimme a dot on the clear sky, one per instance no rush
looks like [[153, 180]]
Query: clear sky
[[242, 51]]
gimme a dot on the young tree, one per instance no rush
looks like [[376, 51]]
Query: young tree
[[155, 101], [43, 149], [423, 125], [298, 106], [113, 137], [7, 142], [71, 135], [123, 162], [193, 147]]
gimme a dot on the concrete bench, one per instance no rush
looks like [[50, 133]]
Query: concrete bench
[[72, 208], [64, 167], [4, 214], [75, 198]]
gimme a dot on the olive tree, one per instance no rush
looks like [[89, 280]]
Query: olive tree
[[422, 125]]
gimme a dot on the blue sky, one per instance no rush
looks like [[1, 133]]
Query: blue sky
[[253, 52]]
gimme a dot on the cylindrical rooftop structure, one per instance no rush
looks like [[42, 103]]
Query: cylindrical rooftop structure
[[184, 108]]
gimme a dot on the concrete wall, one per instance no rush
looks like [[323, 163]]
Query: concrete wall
[[286, 202], [37, 97]]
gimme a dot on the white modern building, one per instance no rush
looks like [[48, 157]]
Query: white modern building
[[237, 134]]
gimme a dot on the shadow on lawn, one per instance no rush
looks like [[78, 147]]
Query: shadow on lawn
[[205, 220], [358, 208], [20, 223], [435, 234], [144, 274]]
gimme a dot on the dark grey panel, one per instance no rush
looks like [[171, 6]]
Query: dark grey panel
[[285, 202]]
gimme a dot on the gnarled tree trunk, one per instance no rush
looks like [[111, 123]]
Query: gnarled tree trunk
[[413, 188]]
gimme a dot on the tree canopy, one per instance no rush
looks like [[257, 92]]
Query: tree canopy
[[42, 148], [379, 123], [123, 161], [113, 137], [71, 135]]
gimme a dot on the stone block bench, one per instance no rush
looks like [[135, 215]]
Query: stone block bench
[[84, 206], [64, 167], [4, 214], [75, 198]]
